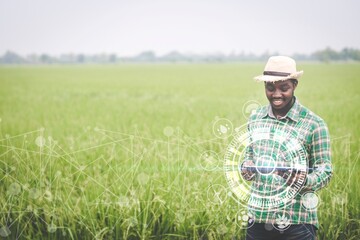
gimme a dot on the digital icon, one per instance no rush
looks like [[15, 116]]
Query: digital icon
[[217, 194], [209, 160], [282, 221], [223, 128], [250, 107], [244, 219]]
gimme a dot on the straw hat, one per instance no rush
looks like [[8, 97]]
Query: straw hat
[[279, 68]]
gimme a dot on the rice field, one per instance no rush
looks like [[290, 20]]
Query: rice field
[[116, 151]]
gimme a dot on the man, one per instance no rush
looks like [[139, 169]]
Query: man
[[288, 163]]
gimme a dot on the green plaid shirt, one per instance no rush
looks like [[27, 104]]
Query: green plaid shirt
[[312, 134]]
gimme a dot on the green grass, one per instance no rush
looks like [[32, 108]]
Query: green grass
[[123, 143]]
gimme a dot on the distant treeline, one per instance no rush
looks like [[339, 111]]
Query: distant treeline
[[326, 55]]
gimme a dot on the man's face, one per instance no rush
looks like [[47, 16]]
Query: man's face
[[280, 94]]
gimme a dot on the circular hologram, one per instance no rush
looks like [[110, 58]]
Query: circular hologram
[[281, 221], [168, 131], [244, 219], [217, 194], [250, 107], [274, 150], [310, 200], [209, 160], [222, 128]]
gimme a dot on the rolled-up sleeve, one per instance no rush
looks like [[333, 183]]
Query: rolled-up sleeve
[[319, 159]]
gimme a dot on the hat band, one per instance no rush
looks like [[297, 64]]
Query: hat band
[[280, 74]]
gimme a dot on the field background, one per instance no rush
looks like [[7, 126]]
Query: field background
[[113, 151]]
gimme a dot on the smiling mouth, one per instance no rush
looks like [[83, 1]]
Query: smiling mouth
[[277, 102]]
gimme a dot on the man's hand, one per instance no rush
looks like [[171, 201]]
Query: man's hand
[[245, 172], [290, 176]]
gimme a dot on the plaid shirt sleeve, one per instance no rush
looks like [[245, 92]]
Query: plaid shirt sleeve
[[319, 159], [249, 156]]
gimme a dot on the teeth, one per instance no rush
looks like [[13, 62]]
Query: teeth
[[277, 102]]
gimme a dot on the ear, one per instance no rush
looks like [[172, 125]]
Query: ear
[[295, 82]]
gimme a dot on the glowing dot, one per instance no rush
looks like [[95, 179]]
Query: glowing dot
[[34, 193], [180, 217], [5, 231], [51, 228], [48, 195], [222, 229], [40, 141], [223, 129], [143, 178], [268, 226], [168, 131], [310, 200], [132, 221], [123, 201], [14, 189]]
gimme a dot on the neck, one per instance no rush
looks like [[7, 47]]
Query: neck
[[282, 112]]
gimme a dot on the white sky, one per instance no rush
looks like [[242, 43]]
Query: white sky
[[127, 27]]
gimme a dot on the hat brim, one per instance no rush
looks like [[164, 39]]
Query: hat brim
[[271, 78]]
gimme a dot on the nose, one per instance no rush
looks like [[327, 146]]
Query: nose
[[277, 93]]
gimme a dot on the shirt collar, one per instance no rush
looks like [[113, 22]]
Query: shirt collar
[[293, 113]]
